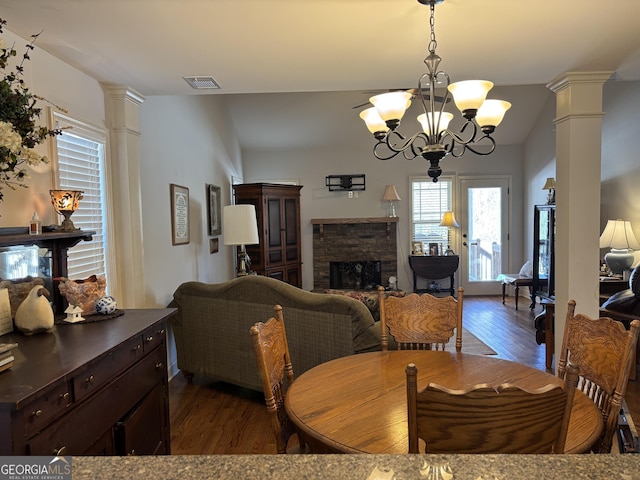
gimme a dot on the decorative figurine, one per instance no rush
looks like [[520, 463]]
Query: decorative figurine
[[35, 315], [106, 305], [74, 314]]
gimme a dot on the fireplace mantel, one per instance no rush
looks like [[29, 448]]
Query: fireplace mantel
[[353, 221], [348, 221]]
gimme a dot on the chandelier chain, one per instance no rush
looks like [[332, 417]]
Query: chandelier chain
[[433, 44]]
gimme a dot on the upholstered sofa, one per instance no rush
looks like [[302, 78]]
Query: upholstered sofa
[[211, 327]]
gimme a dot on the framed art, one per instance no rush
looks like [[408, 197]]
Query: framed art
[[213, 210], [213, 245], [416, 248], [433, 249], [179, 214]]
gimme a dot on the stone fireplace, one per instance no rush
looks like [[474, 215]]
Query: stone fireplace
[[354, 246]]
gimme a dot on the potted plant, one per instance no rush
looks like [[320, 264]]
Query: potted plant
[[19, 132]]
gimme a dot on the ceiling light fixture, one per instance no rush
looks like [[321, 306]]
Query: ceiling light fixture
[[435, 140]]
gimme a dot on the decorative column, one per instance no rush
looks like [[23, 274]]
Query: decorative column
[[578, 157], [121, 105]]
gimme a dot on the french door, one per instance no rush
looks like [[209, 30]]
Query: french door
[[484, 230]]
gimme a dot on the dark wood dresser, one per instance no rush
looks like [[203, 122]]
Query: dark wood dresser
[[97, 388]]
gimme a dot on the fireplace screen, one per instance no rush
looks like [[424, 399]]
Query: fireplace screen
[[355, 275]]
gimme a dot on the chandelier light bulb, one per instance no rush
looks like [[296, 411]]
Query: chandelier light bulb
[[469, 95], [441, 121], [492, 112], [392, 105], [374, 122]]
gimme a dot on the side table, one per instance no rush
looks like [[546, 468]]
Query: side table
[[434, 267]]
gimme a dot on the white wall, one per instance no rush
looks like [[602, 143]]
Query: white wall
[[620, 169], [620, 192], [311, 167], [188, 141]]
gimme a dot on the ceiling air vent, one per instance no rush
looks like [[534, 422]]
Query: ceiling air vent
[[202, 83]]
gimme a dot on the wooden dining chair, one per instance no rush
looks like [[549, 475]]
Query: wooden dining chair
[[274, 364], [420, 322], [489, 419], [604, 351]]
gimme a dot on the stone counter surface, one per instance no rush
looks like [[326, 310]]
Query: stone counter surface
[[358, 467]]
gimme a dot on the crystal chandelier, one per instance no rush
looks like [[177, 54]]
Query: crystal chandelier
[[435, 140]]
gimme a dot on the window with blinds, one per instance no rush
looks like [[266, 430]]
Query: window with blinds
[[429, 201], [80, 166]]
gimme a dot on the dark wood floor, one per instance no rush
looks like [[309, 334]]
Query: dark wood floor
[[216, 418]]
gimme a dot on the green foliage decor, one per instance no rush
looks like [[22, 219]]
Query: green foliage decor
[[19, 133]]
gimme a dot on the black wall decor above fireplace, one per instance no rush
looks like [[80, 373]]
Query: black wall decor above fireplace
[[365, 275]]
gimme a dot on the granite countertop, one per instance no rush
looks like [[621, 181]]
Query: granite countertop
[[357, 467]]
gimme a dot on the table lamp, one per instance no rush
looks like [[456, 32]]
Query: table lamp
[[449, 220], [619, 236], [65, 202], [391, 195], [550, 185], [240, 227]]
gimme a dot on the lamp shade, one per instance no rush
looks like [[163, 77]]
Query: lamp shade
[[240, 226], [441, 121], [390, 194], [449, 220], [492, 112], [469, 94], [619, 235], [549, 184], [391, 105], [372, 119]]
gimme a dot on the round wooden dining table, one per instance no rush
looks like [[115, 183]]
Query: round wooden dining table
[[358, 403]]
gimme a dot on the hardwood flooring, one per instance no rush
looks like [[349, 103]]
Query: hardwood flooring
[[217, 418]]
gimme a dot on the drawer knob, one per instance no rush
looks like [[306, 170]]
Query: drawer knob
[[37, 413], [159, 365], [89, 379], [149, 339], [137, 348], [65, 396]]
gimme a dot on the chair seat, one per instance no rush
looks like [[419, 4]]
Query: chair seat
[[517, 281]]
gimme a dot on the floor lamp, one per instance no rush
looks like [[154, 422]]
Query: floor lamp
[[240, 228], [449, 220]]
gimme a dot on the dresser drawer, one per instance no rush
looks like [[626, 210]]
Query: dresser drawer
[[82, 428], [46, 407], [97, 374], [154, 336]]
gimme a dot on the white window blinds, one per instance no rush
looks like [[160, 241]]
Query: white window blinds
[[80, 166], [429, 201]]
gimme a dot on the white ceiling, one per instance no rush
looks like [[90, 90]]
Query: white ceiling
[[277, 59]]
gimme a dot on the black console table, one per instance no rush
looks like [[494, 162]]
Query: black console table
[[434, 268]]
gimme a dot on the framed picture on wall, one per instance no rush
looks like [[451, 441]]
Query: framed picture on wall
[[179, 214], [213, 210]]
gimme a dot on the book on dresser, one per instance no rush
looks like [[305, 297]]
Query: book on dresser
[[6, 355]]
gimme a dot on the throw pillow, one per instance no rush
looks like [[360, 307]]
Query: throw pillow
[[527, 269]]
